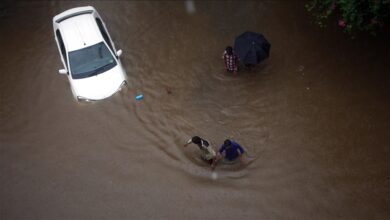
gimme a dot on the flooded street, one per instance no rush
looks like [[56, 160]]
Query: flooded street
[[314, 117]]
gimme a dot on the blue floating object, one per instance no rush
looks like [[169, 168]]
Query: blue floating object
[[139, 97]]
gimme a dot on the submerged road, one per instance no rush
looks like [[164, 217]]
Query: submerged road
[[314, 116]]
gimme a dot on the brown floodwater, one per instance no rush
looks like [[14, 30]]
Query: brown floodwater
[[314, 117]]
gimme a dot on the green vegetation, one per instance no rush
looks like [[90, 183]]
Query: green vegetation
[[352, 15]]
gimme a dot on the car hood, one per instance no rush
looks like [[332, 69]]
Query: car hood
[[100, 86]]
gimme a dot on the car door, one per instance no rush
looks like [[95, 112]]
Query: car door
[[62, 50]]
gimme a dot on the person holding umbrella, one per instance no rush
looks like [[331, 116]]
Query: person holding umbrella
[[252, 48], [231, 60]]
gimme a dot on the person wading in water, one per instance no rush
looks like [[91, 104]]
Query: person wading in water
[[208, 153], [231, 60]]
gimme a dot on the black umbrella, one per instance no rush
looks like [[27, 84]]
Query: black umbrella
[[251, 47]]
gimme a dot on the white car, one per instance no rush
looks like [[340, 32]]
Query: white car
[[88, 54]]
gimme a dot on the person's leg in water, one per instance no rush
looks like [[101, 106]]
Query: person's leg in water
[[208, 160], [249, 66]]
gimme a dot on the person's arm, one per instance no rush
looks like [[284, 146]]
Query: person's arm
[[188, 142], [240, 152], [241, 157], [215, 161], [223, 54], [218, 157], [224, 60]]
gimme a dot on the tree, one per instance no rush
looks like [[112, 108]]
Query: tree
[[352, 15]]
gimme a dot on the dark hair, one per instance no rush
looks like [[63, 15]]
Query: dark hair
[[196, 140], [227, 143], [229, 50]]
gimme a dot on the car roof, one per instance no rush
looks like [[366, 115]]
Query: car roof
[[80, 31]]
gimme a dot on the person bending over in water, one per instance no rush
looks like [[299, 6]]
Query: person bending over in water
[[208, 153], [232, 151]]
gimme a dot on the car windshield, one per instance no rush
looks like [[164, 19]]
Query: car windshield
[[90, 61]]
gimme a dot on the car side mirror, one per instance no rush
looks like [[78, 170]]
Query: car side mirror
[[62, 71], [119, 53]]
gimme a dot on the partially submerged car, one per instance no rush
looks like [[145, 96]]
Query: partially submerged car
[[90, 59]]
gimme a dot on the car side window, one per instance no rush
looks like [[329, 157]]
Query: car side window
[[104, 34], [62, 46]]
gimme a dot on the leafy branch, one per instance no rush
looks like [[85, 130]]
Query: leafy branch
[[352, 15]]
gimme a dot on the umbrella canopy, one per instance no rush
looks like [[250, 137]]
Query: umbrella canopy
[[251, 47]]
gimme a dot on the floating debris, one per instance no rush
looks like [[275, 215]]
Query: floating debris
[[139, 97]]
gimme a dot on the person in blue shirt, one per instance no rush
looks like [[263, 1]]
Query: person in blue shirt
[[231, 151]]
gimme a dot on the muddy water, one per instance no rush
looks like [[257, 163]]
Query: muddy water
[[314, 118]]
